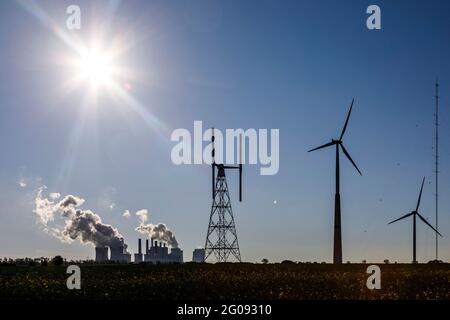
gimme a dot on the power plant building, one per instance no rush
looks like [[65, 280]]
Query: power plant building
[[198, 255], [159, 253], [176, 255]]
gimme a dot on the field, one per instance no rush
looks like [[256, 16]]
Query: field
[[226, 281]]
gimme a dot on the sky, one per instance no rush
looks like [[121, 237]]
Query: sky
[[289, 65]]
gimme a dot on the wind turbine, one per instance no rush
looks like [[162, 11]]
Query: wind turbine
[[415, 214], [337, 248]]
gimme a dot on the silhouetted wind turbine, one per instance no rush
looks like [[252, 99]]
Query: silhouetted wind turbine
[[414, 214], [337, 248]]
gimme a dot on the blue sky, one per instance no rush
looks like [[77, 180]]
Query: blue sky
[[292, 65]]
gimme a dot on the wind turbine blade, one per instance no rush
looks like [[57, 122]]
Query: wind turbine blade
[[350, 158], [240, 167], [323, 146], [213, 156], [403, 217], [231, 167], [346, 121], [420, 194], [424, 220], [213, 178]]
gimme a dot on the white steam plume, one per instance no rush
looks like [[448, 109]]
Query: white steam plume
[[156, 231], [82, 224]]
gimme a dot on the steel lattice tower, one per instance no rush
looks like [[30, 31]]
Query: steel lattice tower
[[221, 239]]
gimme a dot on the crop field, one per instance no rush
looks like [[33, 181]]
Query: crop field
[[226, 281]]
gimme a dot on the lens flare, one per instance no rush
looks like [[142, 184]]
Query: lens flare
[[96, 67]]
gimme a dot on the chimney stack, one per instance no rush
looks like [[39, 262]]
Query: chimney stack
[[138, 256], [146, 245]]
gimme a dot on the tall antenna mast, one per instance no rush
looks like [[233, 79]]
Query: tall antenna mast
[[436, 163]]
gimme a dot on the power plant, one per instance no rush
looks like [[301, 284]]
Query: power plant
[[198, 255], [120, 254], [158, 252]]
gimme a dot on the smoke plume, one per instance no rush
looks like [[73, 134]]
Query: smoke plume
[[156, 231], [82, 224]]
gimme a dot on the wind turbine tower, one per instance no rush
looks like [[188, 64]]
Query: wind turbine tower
[[416, 214], [337, 246]]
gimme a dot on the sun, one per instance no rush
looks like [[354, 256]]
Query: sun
[[95, 64], [95, 67]]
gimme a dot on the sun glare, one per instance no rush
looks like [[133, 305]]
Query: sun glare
[[95, 67]]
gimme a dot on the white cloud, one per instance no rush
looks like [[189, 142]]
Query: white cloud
[[143, 215], [126, 214], [22, 183]]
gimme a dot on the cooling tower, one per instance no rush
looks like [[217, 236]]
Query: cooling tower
[[117, 254], [101, 254]]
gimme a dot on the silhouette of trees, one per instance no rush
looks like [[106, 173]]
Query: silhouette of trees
[[57, 261]]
